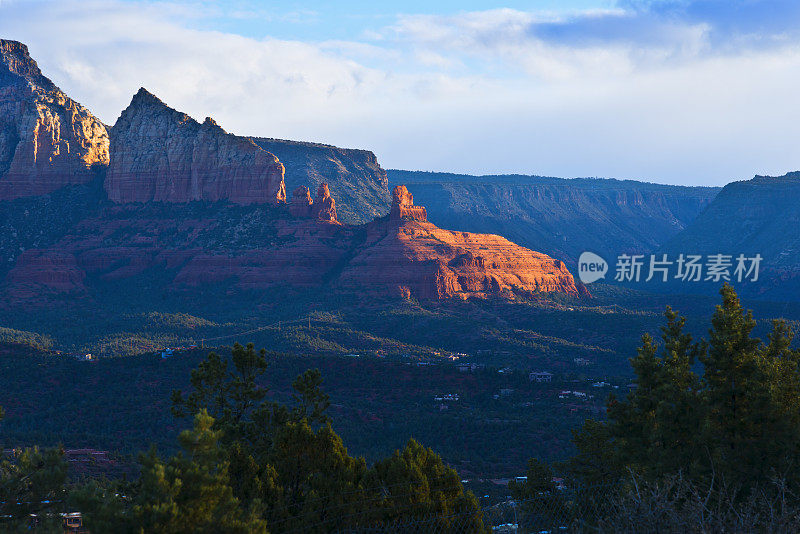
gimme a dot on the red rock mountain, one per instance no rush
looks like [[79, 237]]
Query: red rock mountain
[[142, 232], [408, 256], [47, 140], [160, 154]]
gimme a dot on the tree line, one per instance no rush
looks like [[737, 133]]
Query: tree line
[[246, 465]]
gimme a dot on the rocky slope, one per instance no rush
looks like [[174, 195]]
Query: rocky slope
[[758, 216], [160, 154], [559, 217], [47, 140], [355, 178]]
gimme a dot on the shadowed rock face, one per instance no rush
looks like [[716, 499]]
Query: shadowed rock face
[[301, 202], [47, 140], [753, 217], [160, 154], [321, 209]]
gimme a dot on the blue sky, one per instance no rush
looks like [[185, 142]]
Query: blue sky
[[673, 91]]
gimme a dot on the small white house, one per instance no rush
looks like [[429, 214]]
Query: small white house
[[167, 353]]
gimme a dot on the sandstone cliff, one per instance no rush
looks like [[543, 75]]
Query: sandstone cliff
[[410, 257], [160, 154], [47, 140]]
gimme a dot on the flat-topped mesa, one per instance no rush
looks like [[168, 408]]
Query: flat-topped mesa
[[403, 208], [160, 154], [47, 140]]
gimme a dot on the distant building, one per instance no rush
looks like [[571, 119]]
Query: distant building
[[581, 361], [541, 376], [73, 523], [167, 353], [505, 392]]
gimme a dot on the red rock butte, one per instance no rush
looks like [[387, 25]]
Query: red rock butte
[[410, 257], [403, 256]]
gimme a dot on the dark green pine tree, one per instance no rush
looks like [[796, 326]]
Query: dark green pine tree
[[191, 492], [415, 486], [657, 424], [32, 481], [736, 393], [654, 430]]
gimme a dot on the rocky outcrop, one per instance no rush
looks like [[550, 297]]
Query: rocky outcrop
[[410, 257], [301, 202], [160, 154], [324, 208], [47, 140], [321, 209], [355, 178], [403, 208]]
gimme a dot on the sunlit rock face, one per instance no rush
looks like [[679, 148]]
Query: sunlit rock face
[[47, 140], [409, 257], [162, 155]]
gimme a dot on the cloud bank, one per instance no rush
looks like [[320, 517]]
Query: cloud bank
[[693, 92]]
